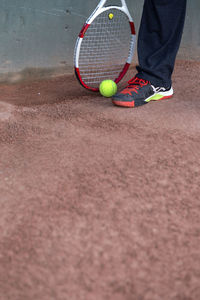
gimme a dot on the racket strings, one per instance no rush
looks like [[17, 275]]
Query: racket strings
[[105, 48]]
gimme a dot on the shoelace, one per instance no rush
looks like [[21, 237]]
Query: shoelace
[[135, 83]]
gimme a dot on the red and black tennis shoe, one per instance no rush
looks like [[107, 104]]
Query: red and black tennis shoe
[[140, 92]]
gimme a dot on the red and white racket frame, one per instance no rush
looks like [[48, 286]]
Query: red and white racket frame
[[100, 9]]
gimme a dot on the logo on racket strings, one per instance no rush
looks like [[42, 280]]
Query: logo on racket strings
[[110, 16]]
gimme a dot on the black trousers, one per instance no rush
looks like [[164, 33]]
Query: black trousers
[[159, 39]]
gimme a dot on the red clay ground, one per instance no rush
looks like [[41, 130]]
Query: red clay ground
[[99, 202]]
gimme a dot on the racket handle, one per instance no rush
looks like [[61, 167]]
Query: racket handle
[[123, 3], [101, 3]]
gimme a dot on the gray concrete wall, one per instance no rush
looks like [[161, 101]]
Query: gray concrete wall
[[42, 33]]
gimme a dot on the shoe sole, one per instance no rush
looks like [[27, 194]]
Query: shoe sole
[[128, 104]]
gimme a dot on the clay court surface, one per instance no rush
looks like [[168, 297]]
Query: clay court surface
[[99, 202]]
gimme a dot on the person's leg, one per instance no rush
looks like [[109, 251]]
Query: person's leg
[[158, 43], [159, 40]]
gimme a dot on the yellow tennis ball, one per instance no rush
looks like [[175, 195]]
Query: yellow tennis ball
[[110, 16], [108, 88]]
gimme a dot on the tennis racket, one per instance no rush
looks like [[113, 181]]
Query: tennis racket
[[105, 46]]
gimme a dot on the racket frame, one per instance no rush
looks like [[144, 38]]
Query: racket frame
[[100, 9]]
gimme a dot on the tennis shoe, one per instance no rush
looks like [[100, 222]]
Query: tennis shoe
[[140, 92]]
